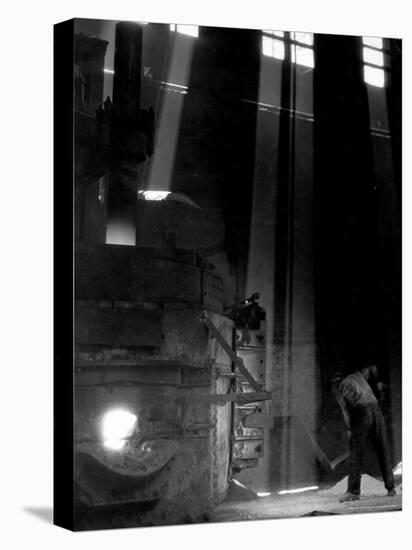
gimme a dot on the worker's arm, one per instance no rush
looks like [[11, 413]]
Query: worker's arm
[[342, 404], [371, 374]]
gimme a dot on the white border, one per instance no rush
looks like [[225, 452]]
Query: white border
[[26, 273]]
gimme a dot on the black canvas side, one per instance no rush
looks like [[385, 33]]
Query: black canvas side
[[63, 275]]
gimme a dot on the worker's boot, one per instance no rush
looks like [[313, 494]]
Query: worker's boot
[[347, 497], [392, 492]]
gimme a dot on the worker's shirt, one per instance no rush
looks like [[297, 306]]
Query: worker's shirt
[[356, 391]]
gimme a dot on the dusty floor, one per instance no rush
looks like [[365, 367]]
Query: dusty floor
[[241, 504], [313, 503]]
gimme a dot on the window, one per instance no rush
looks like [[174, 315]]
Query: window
[[373, 59], [274, 44], [190, 30], [273, 47]]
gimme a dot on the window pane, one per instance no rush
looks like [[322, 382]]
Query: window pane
[[278, 49], [275, 33], [273, 48], [267, 46], [190, 30], [373, 56], [303, 56], [303, 37], [373, 41], [374, 76]]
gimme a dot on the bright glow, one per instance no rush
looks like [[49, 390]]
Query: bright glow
[[373, 41], [189, 30], [114, 444], [303, 56], [263, 494], [373, 56], [374, 76], [301, 490], [398, 470], [236, 482], [153, 195], [108, 71], [116, 426], [273, 47], [174, 85]]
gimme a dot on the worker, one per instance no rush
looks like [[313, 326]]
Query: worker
[[363, 419]]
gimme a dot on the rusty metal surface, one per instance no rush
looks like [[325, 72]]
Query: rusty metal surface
[[118, 326], [251, 338], [258, 419], [245, 463], [248, 435], [106, 359], [149, 381], [174, 219], [112, 375], [120, 273], [116, 490], [238, 361], [224, 398], [254, 360], [110, 337], [184, 337], [100, 485], [247, 442], [159, 417], [248, 448], [141, 347], [139, 462], [242, 427], [221, 435], [212, 291]]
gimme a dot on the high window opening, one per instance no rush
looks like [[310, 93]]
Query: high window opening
[[373, 61], [189, 30], [300, 45]]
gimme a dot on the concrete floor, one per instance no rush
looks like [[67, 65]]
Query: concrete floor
[[304, 504], [242, 504]]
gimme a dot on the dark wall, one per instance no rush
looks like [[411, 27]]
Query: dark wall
[[357, 212], [346, 213]]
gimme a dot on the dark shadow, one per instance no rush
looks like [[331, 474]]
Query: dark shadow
[[43, 513], [319, 513]]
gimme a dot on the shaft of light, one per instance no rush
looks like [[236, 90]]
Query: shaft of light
[[301, 490]]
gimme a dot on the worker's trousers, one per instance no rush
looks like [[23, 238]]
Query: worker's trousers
[[367, 422]]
